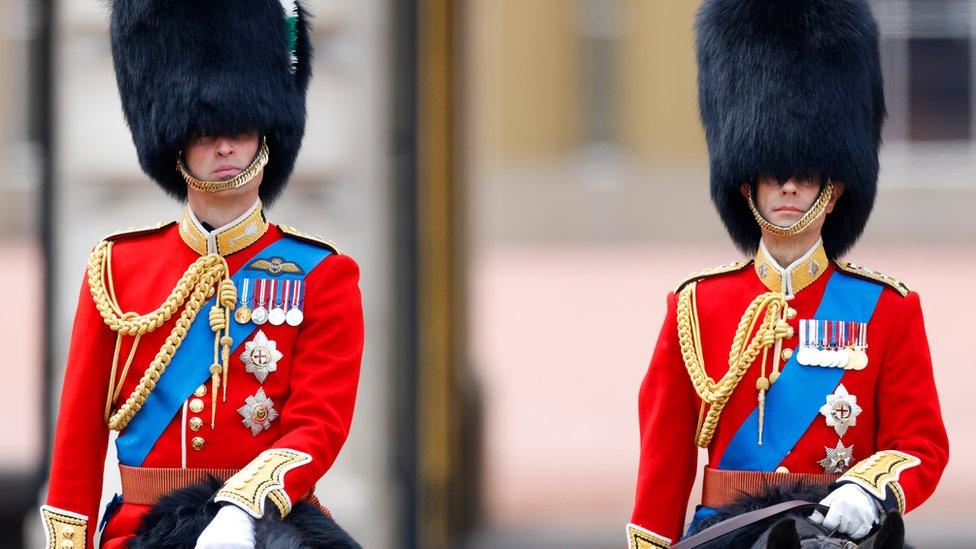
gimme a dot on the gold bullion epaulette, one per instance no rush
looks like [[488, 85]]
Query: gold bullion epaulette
[[712, 271], [876, 276], [313, 238], [134, 231]]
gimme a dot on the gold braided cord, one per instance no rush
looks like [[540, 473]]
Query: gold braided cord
[[826, 192], [239, 180], [197, 284], [765, 310]]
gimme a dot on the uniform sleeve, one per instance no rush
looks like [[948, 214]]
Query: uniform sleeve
[[668, 460], [315, 419], [912, 442], [81, 436]]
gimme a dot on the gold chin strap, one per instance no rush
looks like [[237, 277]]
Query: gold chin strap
[[207, 275], [239, 180], [769, 310], [826, 192]]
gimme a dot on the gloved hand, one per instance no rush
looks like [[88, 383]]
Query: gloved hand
[[231, 528], [850, 510]]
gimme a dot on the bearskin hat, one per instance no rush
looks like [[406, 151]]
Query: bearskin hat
[[219, 67], [179, 518], [791, 88]]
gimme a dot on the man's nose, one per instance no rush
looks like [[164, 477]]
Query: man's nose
[[789, 187], [225, 147]]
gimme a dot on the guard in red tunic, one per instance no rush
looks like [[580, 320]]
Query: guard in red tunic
[[792, 366], [218, 344]]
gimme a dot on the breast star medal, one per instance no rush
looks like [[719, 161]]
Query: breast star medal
[[841, 410], [258, 412], [261, 356], [243, 314], [838, 458]]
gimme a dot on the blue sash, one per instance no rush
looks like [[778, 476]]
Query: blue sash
[[190, 366], [795, 399]]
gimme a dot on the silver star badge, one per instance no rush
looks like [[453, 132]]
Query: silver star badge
[[258, 412], [261, 356], [838, 458], [841, 410]]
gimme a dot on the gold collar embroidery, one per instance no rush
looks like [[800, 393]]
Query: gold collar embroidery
[[232, 237], [794, 278]]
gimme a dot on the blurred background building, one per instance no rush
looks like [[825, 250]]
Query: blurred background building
[[522, 183]]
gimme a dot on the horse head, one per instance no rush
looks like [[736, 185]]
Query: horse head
[[798, 532]]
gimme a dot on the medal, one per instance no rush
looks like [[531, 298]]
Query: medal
[[276, 316], [841, 410], [243, 315], [294, 315], [824, 356], [260, 314], [838, 458], [860, 349], [261, 356], [258, 412], [803, 355], [843, 358]]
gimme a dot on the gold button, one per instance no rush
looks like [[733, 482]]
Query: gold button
[[787, 353], [782, 469], [196, 423], [196, 406], [790, 313], [197, 443], [201, 391], [68, 531]]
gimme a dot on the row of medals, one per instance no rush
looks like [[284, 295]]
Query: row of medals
[[833, 344], [287, 312]]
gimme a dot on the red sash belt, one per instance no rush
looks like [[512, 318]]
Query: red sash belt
[[721, 488]]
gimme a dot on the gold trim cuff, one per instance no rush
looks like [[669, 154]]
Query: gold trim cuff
[[642, 538], [879, 473], [263, 478], [64, 529]]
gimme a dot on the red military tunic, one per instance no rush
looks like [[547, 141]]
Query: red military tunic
[[313, 388], [899, 415]]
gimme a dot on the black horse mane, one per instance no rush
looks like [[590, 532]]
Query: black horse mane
[[892, 536], [178, 519]]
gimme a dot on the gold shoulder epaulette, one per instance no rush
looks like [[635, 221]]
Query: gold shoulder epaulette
[[877, 276], [712, 271], [133, 231], [314, 239]]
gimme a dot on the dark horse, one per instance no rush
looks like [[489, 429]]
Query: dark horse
[[793, 529], [178, 519]]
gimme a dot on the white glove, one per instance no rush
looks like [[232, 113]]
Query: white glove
[[851, 511], [231, 528]]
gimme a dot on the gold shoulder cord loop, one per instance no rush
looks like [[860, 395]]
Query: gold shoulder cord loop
[[197, 284], [768, 310]]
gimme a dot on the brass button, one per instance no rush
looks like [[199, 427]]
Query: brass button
[[201, 391], [68, 531], [197, 443], [782, 469], [196, 423], [790, 313], [196, 406], [787, 353]]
